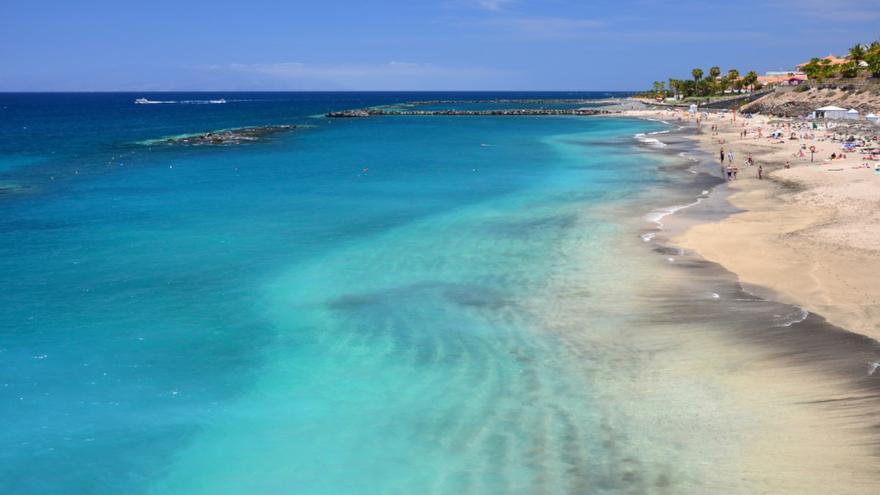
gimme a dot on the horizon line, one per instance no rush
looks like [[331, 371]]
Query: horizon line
[[328, 91]]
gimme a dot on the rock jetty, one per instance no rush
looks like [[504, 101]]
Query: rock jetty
[[373, 112], [523, 101]]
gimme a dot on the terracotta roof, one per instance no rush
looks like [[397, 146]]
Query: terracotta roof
[[781, 78], [831, 58]]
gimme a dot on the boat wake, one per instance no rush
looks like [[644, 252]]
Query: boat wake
[[145, 101]]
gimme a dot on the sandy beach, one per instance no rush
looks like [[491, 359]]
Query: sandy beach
[[803, 236], [807, 234]]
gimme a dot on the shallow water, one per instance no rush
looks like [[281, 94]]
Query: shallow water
[[388, 305]]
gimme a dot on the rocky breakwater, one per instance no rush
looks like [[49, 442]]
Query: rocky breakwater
[[372, 112], [223, 137], [523, 101]]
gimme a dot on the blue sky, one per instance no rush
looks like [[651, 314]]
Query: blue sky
[[409, 44]]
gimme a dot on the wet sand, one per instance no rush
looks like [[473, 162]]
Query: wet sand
[[740, 391], [808, 235]]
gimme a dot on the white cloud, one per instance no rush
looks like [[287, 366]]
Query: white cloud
[[539, 27], [488, 5], [390, 75], [298, 69], [835, 10]]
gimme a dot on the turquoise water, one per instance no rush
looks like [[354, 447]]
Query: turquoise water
[[357, 306]]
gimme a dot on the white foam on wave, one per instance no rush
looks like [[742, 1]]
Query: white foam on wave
[[658, 120], [643, 138], [802, 315], [658, 214], [687, 156]]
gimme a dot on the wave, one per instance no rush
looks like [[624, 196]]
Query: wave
[[650, 141], [659, 120], [658, 214], [789, 321]]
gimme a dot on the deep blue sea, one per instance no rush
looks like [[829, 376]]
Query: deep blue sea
[[364, 306]]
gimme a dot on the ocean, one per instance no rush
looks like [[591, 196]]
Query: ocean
[[388, 305]]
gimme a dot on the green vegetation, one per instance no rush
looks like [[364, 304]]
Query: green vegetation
[[702, 86], [861, 59]]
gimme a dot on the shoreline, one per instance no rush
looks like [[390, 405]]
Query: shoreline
[[805, 384], [806, 235]]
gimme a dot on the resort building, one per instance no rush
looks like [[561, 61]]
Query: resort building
[[783, 79], [835, 60]]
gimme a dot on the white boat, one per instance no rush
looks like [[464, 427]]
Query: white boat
[[142, 101], [221, 100]]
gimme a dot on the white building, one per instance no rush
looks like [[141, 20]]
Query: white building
[[831, 112]]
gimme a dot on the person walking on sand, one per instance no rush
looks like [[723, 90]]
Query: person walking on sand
[[721, 154], [730, 157], [760, 172]]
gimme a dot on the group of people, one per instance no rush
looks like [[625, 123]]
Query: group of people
[[731, 170]]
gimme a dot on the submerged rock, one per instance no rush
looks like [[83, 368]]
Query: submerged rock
[[225, 137]]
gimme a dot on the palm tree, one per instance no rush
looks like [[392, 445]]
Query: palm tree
[[714, 72], [659, 87], [733, 78], [857, 53], [677, 86], [750, 79], [697, 73]]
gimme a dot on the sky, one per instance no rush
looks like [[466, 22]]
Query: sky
[[332, 45]]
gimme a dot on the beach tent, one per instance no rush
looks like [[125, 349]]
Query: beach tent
[[692, 108], [872, 118], [831, 112], [852, 114]]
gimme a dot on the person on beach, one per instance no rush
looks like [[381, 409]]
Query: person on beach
[[729, 157], [729, 171], [721, 154], [735, 171], [760, 172]]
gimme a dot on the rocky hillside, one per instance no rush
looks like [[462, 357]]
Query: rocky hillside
[[793, 102]]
